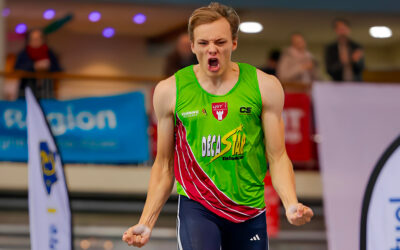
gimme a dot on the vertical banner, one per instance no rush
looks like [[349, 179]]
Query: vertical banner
[[49, 208], [356, 124]]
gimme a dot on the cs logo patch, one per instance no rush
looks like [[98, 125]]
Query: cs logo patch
[[245, 110], [47, 160]]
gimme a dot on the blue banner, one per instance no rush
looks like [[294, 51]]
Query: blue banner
[[110, 129]]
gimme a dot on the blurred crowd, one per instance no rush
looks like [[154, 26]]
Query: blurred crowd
[[343, 60]]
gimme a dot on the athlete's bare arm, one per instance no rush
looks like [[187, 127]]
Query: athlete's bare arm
[[280, 166], [162, 172]]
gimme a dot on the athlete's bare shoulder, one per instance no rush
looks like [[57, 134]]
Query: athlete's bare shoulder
[[271, 90], [164, 96]]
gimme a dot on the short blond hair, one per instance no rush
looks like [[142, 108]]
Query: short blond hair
[[213, 12]]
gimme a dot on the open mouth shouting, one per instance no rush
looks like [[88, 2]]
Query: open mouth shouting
[[213, 64]]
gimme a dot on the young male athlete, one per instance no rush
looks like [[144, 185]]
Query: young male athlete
[[217, 122]]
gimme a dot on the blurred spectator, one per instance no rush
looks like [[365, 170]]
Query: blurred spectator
[[297, 64], [37, 57], [10, 85], [272, 62], [344, 58], [181, 57]]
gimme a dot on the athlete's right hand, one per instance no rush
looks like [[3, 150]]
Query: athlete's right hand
[[137, 235]]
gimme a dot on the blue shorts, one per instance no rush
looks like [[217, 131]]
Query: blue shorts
[[200, 229]]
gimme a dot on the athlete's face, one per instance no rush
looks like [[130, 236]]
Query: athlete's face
[[213, 45]]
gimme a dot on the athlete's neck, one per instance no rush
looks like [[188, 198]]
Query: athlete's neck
[[220, 83]]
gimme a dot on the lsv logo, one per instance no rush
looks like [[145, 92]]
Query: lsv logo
[[220, 110]]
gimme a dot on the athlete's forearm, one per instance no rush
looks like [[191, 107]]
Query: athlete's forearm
[[160, 187], [283, 180]]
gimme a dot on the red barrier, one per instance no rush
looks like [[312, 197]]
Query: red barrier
[[298, 127], [272, 203]]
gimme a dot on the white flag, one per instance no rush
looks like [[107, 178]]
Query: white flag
[[49, 209]]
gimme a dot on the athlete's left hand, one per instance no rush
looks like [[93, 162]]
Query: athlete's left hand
[[299, 214]]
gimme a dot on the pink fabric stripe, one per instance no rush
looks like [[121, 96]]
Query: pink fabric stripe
[[178, 171], [199, 186]]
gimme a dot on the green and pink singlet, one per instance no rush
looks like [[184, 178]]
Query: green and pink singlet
[[219, 148]]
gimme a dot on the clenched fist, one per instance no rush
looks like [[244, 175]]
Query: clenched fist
[[137, 235], [299, 214]]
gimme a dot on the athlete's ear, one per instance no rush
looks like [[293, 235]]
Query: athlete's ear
[[192, 46], [234, 44]]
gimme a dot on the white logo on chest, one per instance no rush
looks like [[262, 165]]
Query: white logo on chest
[[220, 114]]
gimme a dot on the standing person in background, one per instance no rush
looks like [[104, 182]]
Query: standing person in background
[[217, 121], [344, 58], [272, 62], [37, 57], [297, 64], [180, 57]]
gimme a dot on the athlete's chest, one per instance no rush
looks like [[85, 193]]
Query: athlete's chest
[[218, 111], [220, 128]]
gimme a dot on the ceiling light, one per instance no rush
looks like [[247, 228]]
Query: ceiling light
[[49, 14], [20, 28], [139, 18], [250, 27], [380, 32], [94, 16], [108, 32]]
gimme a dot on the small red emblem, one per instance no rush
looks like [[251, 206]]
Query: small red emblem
[[220, 110]]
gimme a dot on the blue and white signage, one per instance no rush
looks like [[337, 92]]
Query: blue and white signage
[[109, 129]]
